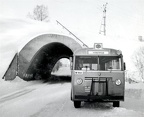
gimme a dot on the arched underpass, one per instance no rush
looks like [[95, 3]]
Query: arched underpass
[[42, 64], [38, 57]]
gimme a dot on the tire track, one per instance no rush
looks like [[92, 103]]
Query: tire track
[[15, 95]]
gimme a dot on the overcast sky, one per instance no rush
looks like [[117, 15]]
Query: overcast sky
[[124, 18]]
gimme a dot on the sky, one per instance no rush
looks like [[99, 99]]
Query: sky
[[124, 18]]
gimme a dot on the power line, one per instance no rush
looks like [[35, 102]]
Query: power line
[[72, 33]]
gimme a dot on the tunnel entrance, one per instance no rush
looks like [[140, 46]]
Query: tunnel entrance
[[37, 57], [43, 62]]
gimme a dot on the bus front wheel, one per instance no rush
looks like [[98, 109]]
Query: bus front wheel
[[77, 104], [116, 104]]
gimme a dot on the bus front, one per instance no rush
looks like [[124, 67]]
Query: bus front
[[98, 75]]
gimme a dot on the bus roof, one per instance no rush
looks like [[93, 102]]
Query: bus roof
[[97, 52]]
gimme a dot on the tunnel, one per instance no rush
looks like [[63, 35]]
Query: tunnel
[[42, 64], [38, 57]]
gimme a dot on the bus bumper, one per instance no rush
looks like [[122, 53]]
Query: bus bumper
[[98, 98]]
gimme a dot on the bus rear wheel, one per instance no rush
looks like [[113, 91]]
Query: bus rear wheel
[[77, 104], [116, 104]]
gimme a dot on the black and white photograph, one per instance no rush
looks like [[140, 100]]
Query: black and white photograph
[[71, 58]]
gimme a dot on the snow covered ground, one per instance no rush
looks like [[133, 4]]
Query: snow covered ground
[[19, 98], [37, 99]]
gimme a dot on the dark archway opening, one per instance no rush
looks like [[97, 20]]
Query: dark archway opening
[[44, 60], [61, 71]]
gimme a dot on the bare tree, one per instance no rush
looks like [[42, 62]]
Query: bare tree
[[138, 59], [40, 13]]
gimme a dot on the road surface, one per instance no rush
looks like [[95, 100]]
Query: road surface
[[53, 100]]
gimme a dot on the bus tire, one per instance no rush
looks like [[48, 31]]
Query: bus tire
[[77, 104], [116, 104]]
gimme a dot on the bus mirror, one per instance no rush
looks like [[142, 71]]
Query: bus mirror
[[124, 66]]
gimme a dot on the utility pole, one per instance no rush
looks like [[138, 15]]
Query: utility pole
[[103, 23]]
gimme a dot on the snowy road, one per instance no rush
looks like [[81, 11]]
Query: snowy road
[[53, 100]]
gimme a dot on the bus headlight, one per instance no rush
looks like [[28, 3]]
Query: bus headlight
[[79, 81], [118, 82]]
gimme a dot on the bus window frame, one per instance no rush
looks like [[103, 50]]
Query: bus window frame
[[120, 62]]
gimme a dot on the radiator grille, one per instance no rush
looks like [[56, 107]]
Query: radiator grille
[[99, 84]]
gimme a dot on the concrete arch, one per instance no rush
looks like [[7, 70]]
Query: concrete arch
[[38, 57]]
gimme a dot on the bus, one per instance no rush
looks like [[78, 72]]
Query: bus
[[98, 74]]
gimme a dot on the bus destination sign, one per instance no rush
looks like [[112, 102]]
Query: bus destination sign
[[97, 52]]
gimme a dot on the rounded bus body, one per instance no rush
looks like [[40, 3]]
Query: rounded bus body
[[97, 75]]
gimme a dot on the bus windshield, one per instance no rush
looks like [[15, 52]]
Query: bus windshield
[[102, 63]]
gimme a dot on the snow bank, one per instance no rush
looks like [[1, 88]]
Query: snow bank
[[134, 85], [135, 91], [121, 112]]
